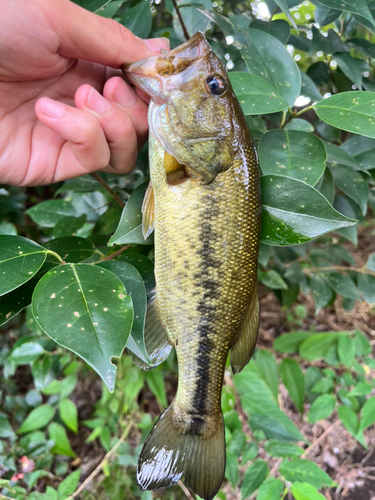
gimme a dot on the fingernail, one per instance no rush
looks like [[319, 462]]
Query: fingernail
[[97, 103], [156, 44], [51, 108], [124, 95]]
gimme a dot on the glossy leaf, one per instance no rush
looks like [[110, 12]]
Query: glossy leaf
[[299, 125], [271, 489], [15, 301], [253, 478], [85, 309], [273, 280], [278, 28], [62, 446], [71, 249], [321, 408], [309, 89], [222, 22], [358, 7], [294, 212], [321, 291], [255, 94], [362, 45], [20, 260], [295, 154], [351, 67], [352, 184], [305, 491], [366, 286], [138, 19], [343, 285], [266, 57], [49, 213], [316, 346], [144, 266], [283, 5], [27, 352], [350, 111], [277, 448], [134, 286], [129, 229], [69, 226], [37, 419], [292, 377], [301, 470], [338, 156]]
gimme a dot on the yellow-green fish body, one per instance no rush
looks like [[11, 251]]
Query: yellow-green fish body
[[207, 223]]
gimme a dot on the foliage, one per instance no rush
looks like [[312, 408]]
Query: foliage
[[304, 76]]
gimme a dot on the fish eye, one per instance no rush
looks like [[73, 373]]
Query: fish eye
[[216, 84]]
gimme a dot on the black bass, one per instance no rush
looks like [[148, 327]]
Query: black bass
[[204, 204]]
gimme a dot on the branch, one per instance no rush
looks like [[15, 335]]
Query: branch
[[183, 26], [361, 270], [113, 255], [185, 490], [320, 438], [97, 177]]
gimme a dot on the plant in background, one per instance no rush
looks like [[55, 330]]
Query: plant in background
[[78, 263]]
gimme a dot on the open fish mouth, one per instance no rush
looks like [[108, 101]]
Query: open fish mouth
[[152, 74]]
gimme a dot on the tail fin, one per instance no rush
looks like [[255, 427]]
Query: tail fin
[[174, 448]]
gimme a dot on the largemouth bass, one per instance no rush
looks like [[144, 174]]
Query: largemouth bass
[[204, 204]]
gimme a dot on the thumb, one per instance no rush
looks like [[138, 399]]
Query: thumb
[[84, 35]]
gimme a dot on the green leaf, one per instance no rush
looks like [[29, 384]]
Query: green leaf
[[221, 21], [344, 206], [49, 213], [62, 446], [26, 353], [253, 478], [321, 291], [266, 57], [69, 414], [299, 125], [69, 226], [129, 229], [367, 414], [343, 285], [350, 111], [366, 285], [321, 408], [360, 389], [85, 309], [338, 156], [294, 212], [277, 448], [325, 384], [144, 266], [299, 155], [266, 364], [155, 381], [231, 468], [255, 94], [20, 260], [71, 248], [282, 4], [134, 286], [273, 280], [138, 19], [279, 28], [301, 470], [6, 430], [316, 346], [370, 264], [352, 184], [193, 19], [290, 342], [309, 89], [346, 350], [305, 491], [6, 228], [352, 68], [362, 45], [349, 420], [37, 418], [271, 489], [358, 7], [69, 484], [292, 377]]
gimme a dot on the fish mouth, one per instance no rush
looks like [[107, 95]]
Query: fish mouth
[[151, 74]]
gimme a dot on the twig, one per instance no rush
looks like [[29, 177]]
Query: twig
[[106, 458], [320, 438], [185, 490], [113, 255], [97, 177], [183, 26], [5, 498], [361, 270]]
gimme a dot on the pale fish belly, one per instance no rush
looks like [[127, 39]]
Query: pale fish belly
[[206, 244]]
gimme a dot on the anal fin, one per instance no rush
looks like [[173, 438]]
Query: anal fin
[[245, 340], [148, 212], [157, 343]]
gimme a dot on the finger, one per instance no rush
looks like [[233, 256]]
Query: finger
[[95, 38], [84, 147], [117, 91], [116, 123]]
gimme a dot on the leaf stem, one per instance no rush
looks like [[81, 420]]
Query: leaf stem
[[56, 255], [183, 26], [113, 255], [97, 177], [298, 113]]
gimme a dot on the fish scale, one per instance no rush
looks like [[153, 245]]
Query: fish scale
[[206, 246]]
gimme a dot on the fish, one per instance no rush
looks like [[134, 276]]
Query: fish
[[203, 204]]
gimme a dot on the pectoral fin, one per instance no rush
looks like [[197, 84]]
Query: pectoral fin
[[157, 343], [245, 340], [174, 170], [148, 213]]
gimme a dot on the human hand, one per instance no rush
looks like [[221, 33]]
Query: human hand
[[54, 54]]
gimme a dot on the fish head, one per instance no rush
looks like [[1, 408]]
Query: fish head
[[193, 107]]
